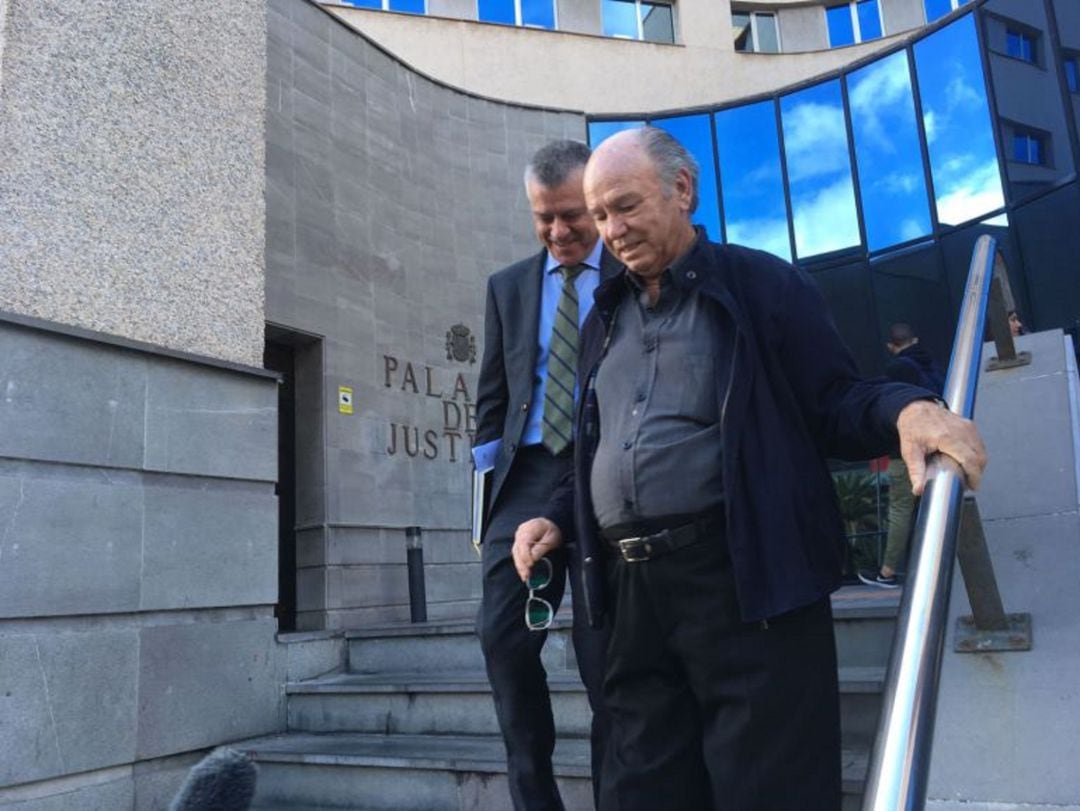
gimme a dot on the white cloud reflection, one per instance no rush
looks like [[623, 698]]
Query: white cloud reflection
[[878, 91], [766, 234], [815, 140], [825, 220], [966, 191]]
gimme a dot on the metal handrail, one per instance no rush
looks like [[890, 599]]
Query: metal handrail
[[900, 759]]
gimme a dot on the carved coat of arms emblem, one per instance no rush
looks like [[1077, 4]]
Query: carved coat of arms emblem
[[460, 344]]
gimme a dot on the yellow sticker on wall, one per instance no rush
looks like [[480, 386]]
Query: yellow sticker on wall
[[344, 399]]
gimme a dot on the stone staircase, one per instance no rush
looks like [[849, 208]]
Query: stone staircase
[[409, 725]]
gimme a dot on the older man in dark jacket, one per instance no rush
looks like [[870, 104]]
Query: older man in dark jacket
[[715, 386]]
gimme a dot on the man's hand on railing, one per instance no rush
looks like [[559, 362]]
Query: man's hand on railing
[[534, 539], [926, 427]]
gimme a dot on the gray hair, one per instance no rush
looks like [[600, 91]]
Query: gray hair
[[669, 157], [553, 163]]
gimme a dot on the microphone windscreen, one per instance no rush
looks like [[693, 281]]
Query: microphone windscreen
[[222, 781]]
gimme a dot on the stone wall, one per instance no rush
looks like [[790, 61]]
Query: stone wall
[[138, 567], [131, 184]]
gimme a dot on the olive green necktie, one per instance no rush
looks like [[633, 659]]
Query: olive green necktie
[[562, 367]]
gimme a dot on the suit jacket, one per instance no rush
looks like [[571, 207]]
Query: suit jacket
[[511, 345]]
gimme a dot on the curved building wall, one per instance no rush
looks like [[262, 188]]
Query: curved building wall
[[391, 197], [131, 181], [390, 200], [593, 73]]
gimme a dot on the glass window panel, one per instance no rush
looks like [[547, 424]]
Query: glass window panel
[[411, 6], [1072, 78], [740, 31], [869, 19], [891, 180], [963, 158], [1019, 46], [657, 24], [620, 19], [768, 41], [695, 133], [1027, 148], [841, 31], [819, 170], [538, 13], [937, 8], [365, 3], [496, 11], [600, 131], [752, 184]]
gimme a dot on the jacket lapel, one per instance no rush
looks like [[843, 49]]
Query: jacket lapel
[[529, 298]]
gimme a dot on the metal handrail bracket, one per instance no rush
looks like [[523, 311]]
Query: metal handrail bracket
[[900, 760]]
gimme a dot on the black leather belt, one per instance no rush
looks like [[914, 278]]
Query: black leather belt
[[639, 548]]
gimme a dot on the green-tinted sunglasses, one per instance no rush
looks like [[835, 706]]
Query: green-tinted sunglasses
[[538, 611]]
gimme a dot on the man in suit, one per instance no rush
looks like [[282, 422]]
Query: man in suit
[[525, 403], [714, 385]]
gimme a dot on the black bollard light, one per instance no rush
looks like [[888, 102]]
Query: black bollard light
[[414, 551]]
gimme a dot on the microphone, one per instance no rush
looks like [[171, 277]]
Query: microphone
[[222, 781]]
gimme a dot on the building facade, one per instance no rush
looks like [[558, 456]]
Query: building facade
[[242, 266]]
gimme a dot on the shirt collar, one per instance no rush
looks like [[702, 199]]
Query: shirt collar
[[672, 271], [551, 264]]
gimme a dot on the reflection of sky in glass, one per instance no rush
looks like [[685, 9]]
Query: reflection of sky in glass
[[600, 131], [841, 31], [963, 159], [411, 6], [496, 11], [937, 8], [694, 132], [538, 12], [869, 19], [819, 171], [366, 3], [891, 181], [753, 187], [620, 19]]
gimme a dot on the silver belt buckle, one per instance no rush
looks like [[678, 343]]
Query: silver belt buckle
[[635, 550]]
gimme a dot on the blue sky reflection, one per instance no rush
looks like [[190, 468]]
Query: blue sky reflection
[[752, 184], [963, 159], [819, 170], [600, 131], [891, 181], [695, 133]]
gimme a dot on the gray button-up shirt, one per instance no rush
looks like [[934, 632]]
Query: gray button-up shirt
[[660, 448]]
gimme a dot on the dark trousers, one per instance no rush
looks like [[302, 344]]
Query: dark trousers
[[512, 652], [710, 713]]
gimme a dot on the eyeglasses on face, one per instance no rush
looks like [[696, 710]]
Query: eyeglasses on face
[[538, 611]]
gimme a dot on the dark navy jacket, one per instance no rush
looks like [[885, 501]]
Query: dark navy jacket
[[790, 396]]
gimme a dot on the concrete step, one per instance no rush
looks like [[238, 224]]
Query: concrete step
[[865, 620], [460, 703], [444, 646], [451, 703], [424, 772]]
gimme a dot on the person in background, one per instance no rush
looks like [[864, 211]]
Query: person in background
[[525, 402], [910, 363], [1016, 326]]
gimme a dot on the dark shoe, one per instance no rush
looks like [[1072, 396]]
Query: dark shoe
[[872, 578]]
